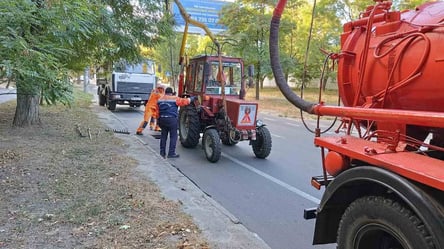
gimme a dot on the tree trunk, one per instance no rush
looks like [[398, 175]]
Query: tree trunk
[[258, 80], [27, 110]]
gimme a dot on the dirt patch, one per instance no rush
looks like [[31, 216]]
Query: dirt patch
[[63, 186]]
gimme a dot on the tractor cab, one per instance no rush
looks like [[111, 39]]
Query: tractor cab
[[204, 76]]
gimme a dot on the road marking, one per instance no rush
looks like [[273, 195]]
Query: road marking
[[275, 180], [293, 124], [274, 135]]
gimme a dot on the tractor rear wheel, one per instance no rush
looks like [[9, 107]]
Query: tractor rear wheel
[[262, 144], [189, 126], [379, 222], [211, 145]]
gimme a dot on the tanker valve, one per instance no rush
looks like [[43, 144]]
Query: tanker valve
[[370, 151]]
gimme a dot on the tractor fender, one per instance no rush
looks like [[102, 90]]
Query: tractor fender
[[209, 127], [369, 180]]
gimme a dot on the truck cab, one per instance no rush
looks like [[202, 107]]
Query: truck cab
[[127, 84]]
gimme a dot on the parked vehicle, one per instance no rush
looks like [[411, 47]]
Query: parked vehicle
[[128, 84], [221, 113], [384, 183]]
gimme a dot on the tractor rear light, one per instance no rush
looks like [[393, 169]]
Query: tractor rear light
[[206, 97]]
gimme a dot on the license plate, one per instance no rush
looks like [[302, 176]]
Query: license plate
[[136, 99]]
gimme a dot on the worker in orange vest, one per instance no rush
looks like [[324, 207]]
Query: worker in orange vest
[[151, 111]]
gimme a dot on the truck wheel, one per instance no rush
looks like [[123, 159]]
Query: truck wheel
[[111, 105], [211, 145], [262, 144], [189, 127], [102, 98], [379, 222]]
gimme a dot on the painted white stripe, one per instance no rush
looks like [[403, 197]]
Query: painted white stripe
[[293, 124], [275, 180], [274, 135]]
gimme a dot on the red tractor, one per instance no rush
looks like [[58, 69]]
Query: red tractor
[[384, 183], [221, 113]]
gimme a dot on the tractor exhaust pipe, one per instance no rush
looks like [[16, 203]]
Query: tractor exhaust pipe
[[276, 63]]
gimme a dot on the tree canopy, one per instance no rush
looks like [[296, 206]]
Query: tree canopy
[[41, 41]]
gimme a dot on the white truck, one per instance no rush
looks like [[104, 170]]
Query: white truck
[[128, 84]]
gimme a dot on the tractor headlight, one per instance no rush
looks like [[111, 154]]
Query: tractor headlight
[[259, 122]]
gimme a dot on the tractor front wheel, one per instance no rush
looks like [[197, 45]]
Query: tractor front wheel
[[211, 145], [262, 144], [189, 126]]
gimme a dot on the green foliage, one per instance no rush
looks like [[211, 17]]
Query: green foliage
[[30, 48], [41, 41], [248, 23], [125, 27], [248, 26], [348, 10]]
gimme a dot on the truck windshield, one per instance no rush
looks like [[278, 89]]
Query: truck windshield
[[231, 72], [145, 67]]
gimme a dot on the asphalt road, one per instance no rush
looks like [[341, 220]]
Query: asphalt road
[[7, 94], [266, 196]]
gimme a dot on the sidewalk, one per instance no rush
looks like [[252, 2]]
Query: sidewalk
[[221, 229]]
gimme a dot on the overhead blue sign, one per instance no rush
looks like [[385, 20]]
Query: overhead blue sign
[[206, 12]]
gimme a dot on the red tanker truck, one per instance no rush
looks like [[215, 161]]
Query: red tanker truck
[[384, 183]]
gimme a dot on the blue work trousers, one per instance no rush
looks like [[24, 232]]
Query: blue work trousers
[[168, 126]]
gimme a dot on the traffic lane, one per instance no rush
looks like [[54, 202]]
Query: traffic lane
[[293, 159], [265, 206], [294, 153], [287, 162]]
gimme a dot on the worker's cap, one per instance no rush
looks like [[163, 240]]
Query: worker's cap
[[160, 86], [169, 90]]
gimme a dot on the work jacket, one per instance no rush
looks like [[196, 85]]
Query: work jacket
[[168, 105], [152, 106]]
